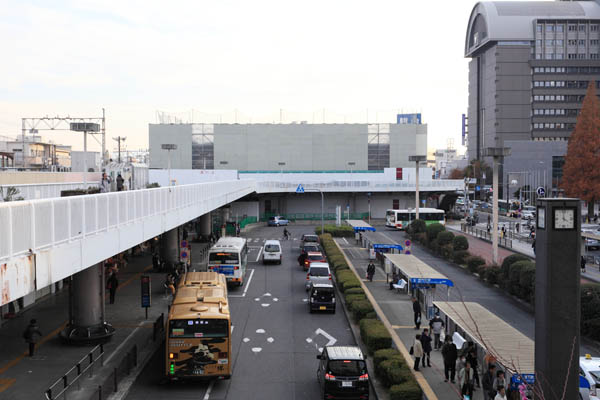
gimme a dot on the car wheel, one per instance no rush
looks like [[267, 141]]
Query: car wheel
[[310, 310]]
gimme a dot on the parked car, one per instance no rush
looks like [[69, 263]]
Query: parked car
[[589, 368], [277, 221], [272, 252], [311, 258], [318, 272], [308, 248], [321, 297], [308, 239], [342, 373], [528, 212]]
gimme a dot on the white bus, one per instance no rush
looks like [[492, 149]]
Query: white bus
[[400, 219], [229, 256]]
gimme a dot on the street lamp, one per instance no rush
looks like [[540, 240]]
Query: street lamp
[[84, 127], [281, 165], [351, 164], [417, 160], [496, 153], [169, 147]]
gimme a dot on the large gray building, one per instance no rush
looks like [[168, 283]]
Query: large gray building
[[530, 66], [287, 147]]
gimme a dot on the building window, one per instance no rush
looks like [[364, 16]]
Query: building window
[[549, 56], [572, 42], [594, 42], [560, 28], [538, 43], [572, 56], [559, 42], [549, 43], [559, 56], [581, 56], [572, 28], [594, 27], [594, 56], [378, 150], [558, 163], [581, 28], [581, 42], [396, 204], [549, 28], [540, 27]]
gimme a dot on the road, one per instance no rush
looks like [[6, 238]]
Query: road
[[277, 364]]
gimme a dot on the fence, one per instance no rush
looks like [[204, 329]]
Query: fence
[[485, 235], [315, 216]]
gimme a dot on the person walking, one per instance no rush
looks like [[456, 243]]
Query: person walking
[[436, 325], [488, 382], [112, 285], [499, 381], [426, 343], [417, 313], [501, 395], [120, 181], [533, 246], [465, 380], [105, 183], [370, 271], [31, 335], [417, 351], [472, 359], [286, 234], [582, 264], [450, 354]]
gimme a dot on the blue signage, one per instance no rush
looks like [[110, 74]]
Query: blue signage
[[414, 118], [364, 228], [146, 292], [300, 189], [516, 380], [225, 269], [388, 246], [431, 281]]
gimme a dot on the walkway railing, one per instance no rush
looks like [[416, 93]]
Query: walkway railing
[[359, 186], [485, 235]]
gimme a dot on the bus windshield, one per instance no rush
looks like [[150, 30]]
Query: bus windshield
[[198, 328], [223, 258]]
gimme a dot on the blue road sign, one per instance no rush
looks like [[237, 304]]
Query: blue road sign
[[541, 191], [478, 188], [300, 189]]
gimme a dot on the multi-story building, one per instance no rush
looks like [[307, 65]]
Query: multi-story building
[[530, 66], [287, 147], [443, 159]]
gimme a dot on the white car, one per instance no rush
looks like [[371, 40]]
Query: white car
[[589, 367], [318, 272], [272, 252]]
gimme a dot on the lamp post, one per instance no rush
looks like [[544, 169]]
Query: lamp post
[[84, 127], [281, 165], [351, 164], [169, 147], [120, 139], [417, 160], [496, 153]]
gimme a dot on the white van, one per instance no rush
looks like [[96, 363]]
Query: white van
[[272, 251]]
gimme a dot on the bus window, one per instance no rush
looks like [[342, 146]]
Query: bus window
[[223, 258], [198, 328]]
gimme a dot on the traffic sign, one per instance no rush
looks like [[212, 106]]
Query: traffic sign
[[541, 191], [478, 188], [300, 189]]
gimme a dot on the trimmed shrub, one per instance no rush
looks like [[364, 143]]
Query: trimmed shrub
[[371, 315], [374, 335], [393, 372], [415, 228], [460, 243], [353, 297], [385, 354], [590, 310], [434, 246], [514, 277], [445, 238], [527, 282], [336, 231], [358, 290], [447, 252], [350, 284], [344, 275], [493, 274], [508, 261], [360, 309], [409, 390], [460, 257], [433, 230], [474, 262]]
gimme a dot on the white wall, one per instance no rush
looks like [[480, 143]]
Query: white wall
[[190, 176], [241, 209]]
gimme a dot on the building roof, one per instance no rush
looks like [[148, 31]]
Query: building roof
[[417, 271], [492, 21]]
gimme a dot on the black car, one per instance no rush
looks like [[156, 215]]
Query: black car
[[321, 297], [342, 373]]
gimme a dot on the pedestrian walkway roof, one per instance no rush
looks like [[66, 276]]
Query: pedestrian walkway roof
[[359, 225], [512, 349], [417, 271], [380, 241]]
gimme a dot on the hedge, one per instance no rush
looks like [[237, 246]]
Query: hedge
[[415, 228], [353, 297], [357, 290], [360, 309], [527, 282], [460, 256], [460, 242], [514, 277], [445, 238], [447, 252], [409, 390], [350, 284], [393, 372], [474, 262], [493, 274], [385, 354], [590, 310], [508, 261], [336, 231], [374, 335], [433, 230]]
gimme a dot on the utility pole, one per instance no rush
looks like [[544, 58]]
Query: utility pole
[[120, 139], [496, 153], [417, 160]]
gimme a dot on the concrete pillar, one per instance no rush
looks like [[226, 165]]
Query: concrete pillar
[[205, 225], [169, 246], [86, 303]]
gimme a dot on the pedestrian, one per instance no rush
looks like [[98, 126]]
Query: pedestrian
[[112, 285], [370, 271], [501, 395], [582, 264], [237, 230], [472, 359], [394, 280], [105, 183], [503, 231], [286, 234], [489, 228], [417, 351], [517, 225], [450, 354], [436, 325], [533, 246], [499, 381], [465, 380], [426, 344], [120, 181], [488, 381], [417, 313], [31, 335]]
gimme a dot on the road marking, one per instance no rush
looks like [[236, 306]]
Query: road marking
[[247, 286], [5, 383], [260, 331], [345, 241], [208, 390], [331, 339], [257, 349], [403, 326], [259, 253]]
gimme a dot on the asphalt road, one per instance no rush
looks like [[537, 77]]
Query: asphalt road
[[273, 301]]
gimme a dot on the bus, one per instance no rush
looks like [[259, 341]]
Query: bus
[[400, 219], [229, 256], [198, 334], [203, 280]]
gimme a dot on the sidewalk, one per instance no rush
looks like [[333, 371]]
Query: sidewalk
[[22, 377]]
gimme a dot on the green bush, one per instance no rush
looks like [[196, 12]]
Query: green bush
[[460, 257], [434, 246], [447, 252], [344, 275], [393, 372], [374, 335], [385, 354], [350, 284], [591, 328], [460, 243], [508, 261], [357, 290], [474, 262], [336, 231], [409, 390], [445, 238], [371, 315], [353, 297], [433, 230], [415, 228], [590, 310], [493, 274], [514, 277], [360, 309], [527, 282]]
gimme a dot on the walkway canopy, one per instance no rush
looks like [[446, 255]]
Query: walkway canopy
[[380, 242], [416, 271], [359, 225], [510, 347]]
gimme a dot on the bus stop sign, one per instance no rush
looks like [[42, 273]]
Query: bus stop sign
[[146, 296]]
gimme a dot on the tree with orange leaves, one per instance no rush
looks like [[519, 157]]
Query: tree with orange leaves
[[581, 172]]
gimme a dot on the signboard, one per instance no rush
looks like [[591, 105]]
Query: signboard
[[146, 295], [364, 228], [84, 127], [541, 191], [300, 189], [431, 281], [414, 118], [398, 174], [388, 246], [516, 380]]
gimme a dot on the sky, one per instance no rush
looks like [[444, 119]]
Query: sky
[[250, 61]]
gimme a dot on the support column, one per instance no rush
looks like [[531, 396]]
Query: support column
[[169, 247], [205, 225], [86, 303]]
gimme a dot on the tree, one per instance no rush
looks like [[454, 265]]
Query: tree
[[476, 169], [456, 174], [10, 195], [581, 175]]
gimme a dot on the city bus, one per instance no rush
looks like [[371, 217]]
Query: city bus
[[203, 280], [229, 256], [198, 334], [400, 219]]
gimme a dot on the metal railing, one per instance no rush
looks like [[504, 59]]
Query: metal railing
[[72, 376], [358, 186], [485, 235], [47, 190], [158, 327]]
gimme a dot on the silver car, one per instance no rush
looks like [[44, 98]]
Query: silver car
[[318, 272]]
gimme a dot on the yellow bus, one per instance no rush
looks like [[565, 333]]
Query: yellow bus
[[203, 280], [198, 342]]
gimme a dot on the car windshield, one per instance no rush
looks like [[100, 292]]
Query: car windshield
[[311, 247], [272, 247], [315, 257], [311, 238], [596, 376], [347, 367], [319, 271]]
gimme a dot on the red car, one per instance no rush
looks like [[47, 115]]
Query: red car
[[312, 257]]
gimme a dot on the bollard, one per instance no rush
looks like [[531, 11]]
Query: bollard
[[115, 379], [49, 394], [99, 392], [102, 355]]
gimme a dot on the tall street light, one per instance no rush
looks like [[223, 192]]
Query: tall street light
[[281, 165], [84, 127], [417, 160], [496, 153], [169, 147]]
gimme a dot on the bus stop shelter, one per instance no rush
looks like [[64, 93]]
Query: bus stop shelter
[[514, 351], [359, 225], [378, 243], [420, 276]]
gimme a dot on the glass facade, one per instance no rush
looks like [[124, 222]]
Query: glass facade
[[557, 169], [203, 148], [378, 146]]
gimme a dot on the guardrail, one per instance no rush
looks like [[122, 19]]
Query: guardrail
[[73, 375], [485, 235], [34, 191], [158, 327]]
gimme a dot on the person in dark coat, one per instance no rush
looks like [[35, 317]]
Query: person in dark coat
[[417, 313], [426, 342], [472, 359], [120, 181], [582, 264], [370, 271], [31, 335], [487, 381], [112, 285], [450, 354]]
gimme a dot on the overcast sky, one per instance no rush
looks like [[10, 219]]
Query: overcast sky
[[258, 57]]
